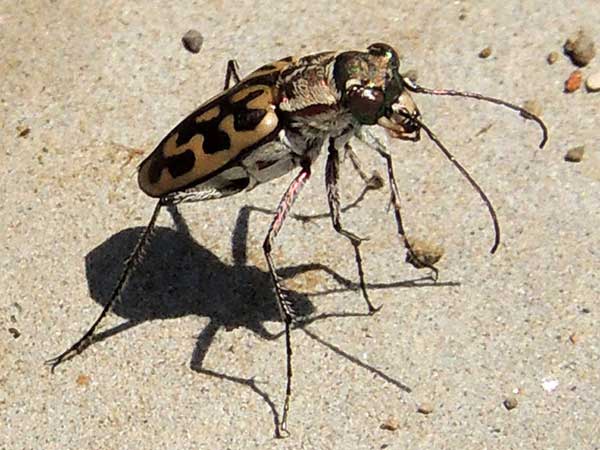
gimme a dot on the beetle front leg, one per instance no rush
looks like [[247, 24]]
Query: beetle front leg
[[375, 181], [372, 141], [333, 198], [285, 308]]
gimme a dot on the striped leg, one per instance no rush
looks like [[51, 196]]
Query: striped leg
[[130, 263], [283, 303]]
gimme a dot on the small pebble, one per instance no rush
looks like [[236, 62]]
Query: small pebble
[[390, 424], [580, 48], [593, 82], [510, 403], [425, 408], [575, 154], [425, 254], [550, 385], [23, 131], [83, 380], [15, 333], [574, 338], [533, 107], [552, 57], [574, 81], [192, 41], [485, 53]]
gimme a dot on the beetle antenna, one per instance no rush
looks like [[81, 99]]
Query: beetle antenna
[[469, 178], [414, 87]]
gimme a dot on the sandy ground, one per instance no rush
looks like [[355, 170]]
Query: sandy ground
[[194, 357]]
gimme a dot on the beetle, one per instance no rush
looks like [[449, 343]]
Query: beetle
[[278, 118]]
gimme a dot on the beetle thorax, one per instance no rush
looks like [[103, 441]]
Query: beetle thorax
[[309, 100]]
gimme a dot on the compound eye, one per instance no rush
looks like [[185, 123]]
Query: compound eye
[[366, 104]]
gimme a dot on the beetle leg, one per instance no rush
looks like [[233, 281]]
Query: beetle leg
[[232, 68], [333, 197], [375, 181], [372, 141], [285, 308], [130, 263]]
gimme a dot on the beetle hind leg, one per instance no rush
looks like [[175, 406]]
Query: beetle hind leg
[[130, 263], [232, 71]]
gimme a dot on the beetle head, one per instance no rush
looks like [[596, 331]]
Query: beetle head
[[374, 91]]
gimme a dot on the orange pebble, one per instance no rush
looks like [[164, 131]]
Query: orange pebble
[[574, 81]]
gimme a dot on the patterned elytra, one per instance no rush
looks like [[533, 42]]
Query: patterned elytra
[[177, 165], [217, 134], [214, 135]]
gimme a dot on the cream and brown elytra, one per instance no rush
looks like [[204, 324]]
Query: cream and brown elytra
[[277, 119]]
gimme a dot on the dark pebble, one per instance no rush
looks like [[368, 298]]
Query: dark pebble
[[192, 41]]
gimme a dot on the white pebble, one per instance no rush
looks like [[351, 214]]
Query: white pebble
[[549, 385], [593, 82]]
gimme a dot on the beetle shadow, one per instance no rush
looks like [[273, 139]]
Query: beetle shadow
[[178, 277]]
